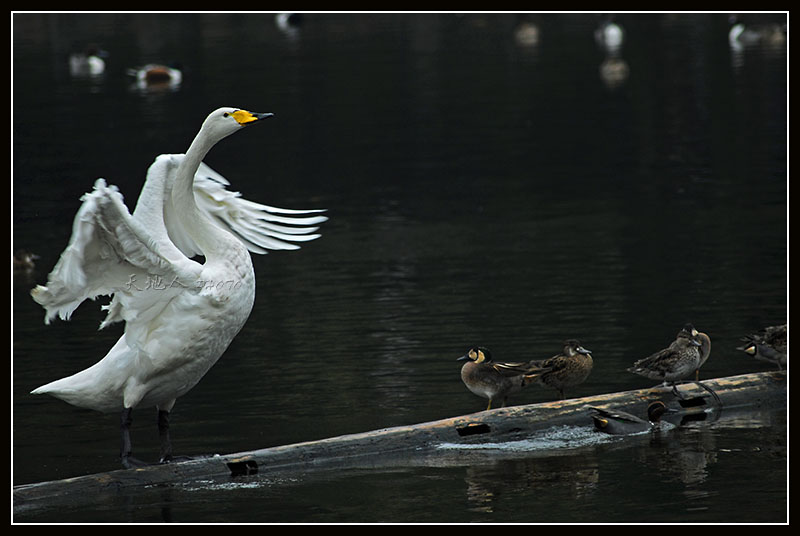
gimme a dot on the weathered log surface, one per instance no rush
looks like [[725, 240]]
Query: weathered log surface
[[411, 444]]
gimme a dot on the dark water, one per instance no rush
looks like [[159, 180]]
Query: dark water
[[480, 191]]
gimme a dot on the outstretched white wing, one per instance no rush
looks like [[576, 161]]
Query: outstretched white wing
[[259, 227], [112, 253]]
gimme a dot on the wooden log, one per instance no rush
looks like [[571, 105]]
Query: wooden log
[[412, 444]]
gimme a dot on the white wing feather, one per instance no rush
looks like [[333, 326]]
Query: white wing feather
[[112, 252], [109, 253], [259, 227]]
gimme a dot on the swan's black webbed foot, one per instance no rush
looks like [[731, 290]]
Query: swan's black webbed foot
[[129, 462], [175, 459]]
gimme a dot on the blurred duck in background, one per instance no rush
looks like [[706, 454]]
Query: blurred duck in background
[[89, 62], [157, 76]]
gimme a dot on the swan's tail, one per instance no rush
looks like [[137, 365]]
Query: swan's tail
[[92, 388], [72, 389], [77, 390]]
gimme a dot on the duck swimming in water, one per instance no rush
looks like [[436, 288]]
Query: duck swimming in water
[[621, 422]]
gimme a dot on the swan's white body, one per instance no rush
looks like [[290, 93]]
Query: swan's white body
[[180, 315]]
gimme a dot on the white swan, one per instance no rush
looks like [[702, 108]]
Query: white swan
[[180, 314]]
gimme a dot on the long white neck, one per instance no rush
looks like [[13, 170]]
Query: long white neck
[[212, 240]]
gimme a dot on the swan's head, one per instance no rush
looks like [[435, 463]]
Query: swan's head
[[225, 121]]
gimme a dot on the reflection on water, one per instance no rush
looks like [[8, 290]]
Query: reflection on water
[[489, 182]]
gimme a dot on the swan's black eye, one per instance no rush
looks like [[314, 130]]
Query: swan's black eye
[[225, 114]]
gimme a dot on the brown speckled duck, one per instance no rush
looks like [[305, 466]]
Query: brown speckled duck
[[569, 368], [705, 351], [676, 362]]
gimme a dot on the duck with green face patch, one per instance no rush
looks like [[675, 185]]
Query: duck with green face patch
[[568, 369], [495, 381], [621, 422]]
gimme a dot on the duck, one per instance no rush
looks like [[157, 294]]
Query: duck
[[569, 368], [609, 36], [766, 353], [742, 35], [526, 32], [674, 363], [494, 380], [90, 62], [614, 72], [179, 273], [289, 22], [622, 423], [156, 76], [768, 345], [705, 351], [24, 261]]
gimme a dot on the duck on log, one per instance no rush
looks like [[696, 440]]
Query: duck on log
[[403, 444]]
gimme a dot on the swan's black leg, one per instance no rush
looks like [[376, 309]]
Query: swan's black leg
[[163, 434], [128, 461], [166, 442], [125, 426]]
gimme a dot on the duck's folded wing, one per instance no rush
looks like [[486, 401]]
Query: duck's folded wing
[[556, 362], [110, 253], [658, 361], [260, 227], [514, 369]]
